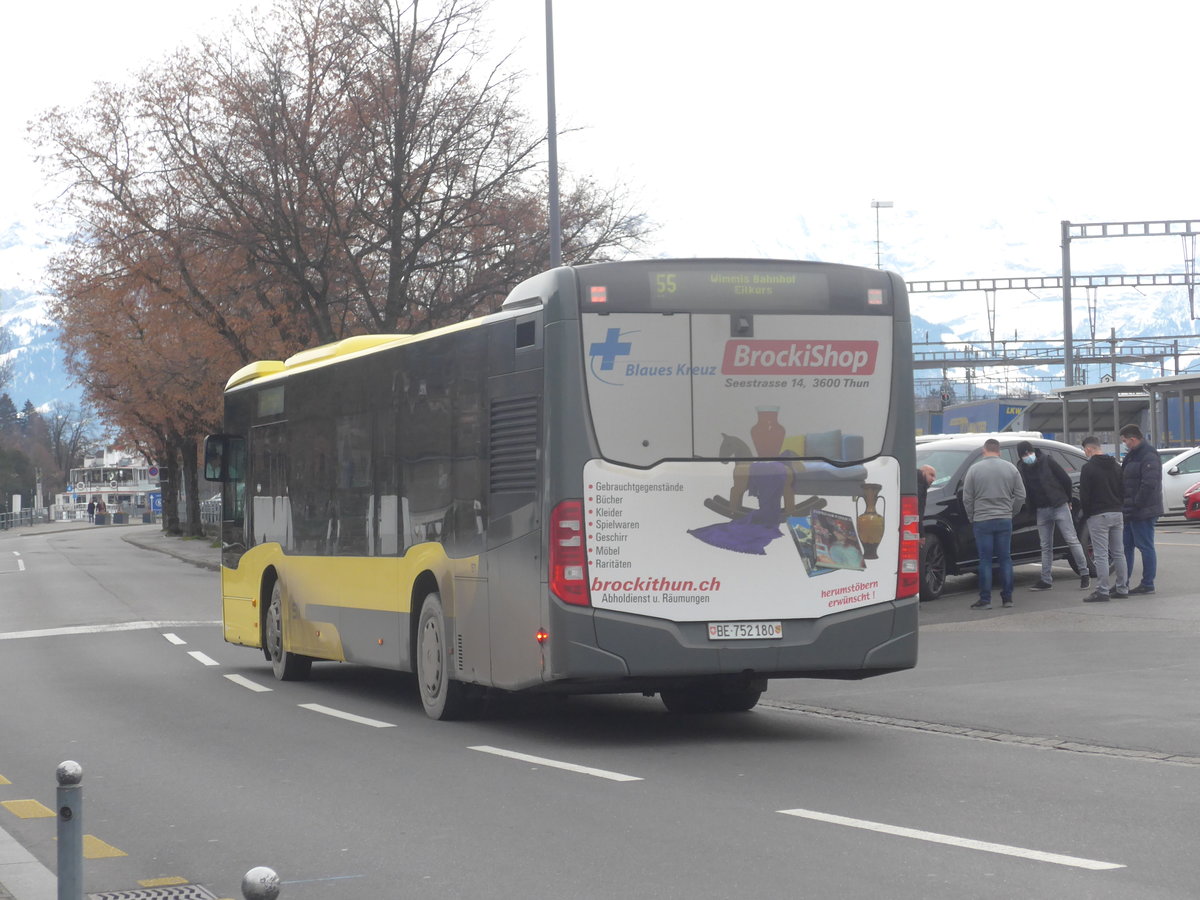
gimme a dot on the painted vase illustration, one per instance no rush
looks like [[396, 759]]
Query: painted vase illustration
[[870, 521], [767, 433]]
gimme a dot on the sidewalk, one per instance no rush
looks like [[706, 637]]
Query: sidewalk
[[197, 551], [201, 552]]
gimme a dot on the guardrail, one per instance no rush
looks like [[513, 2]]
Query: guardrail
[[22, 518]]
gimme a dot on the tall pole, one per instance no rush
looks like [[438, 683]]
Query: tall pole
[[879, 204], [552, 142], [1068, 349]]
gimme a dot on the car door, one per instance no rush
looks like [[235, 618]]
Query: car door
[[1182, 472]]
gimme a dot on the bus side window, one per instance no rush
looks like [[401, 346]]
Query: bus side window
[[224, 457]]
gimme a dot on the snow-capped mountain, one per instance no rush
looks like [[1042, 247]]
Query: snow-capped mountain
[[38, 374], [1020, 318]]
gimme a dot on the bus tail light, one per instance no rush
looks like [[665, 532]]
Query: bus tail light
[[568, 554], [908, 570]]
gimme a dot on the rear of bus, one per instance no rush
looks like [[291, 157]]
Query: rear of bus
[[746, 490]]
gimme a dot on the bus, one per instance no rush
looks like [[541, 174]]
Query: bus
[[674, 477]]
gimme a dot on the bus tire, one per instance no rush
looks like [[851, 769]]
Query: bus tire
[[442, 696], [287, 666], [933, 567]]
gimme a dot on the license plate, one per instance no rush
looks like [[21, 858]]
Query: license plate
[[744, 631]]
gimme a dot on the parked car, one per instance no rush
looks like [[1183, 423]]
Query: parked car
[[949, 547], [1179, 473], [1191, 497], [1166, 454]]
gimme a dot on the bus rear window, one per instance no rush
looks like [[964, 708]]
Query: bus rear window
[[710, 387], [758, 286]]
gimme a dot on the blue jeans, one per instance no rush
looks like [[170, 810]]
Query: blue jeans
[[1047, 518], [993, 538], [1108, 547], [1139, 534]]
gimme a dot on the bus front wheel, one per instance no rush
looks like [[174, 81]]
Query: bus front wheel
[[441, 695], [286, 665]]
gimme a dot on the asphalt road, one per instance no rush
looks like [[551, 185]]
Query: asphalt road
[[1050, 750]]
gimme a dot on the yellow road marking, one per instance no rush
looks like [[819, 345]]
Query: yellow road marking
[[162, 882], [94, 848], [28, 809], [4, 780]]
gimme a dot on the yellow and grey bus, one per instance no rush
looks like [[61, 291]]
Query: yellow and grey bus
[[682, 477]]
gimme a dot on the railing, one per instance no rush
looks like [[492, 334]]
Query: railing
[[23, 518]]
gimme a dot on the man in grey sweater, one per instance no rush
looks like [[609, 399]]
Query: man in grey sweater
[[993, 494]]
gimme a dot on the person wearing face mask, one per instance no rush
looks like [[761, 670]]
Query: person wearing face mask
[[1048, 488]]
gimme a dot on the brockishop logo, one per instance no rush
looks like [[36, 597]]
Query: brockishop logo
[[744, 357]]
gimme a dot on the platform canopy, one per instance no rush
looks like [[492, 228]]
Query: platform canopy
[[1105, 407]]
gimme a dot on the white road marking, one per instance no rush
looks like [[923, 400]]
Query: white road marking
[[202, 658], [247, 683], [174, 639], [556, 764], [933, 837], [349, 717], [97, 629], [20, 565]]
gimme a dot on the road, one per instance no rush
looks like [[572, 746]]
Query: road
[[933, 783]]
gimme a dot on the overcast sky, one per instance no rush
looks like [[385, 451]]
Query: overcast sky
[[767, 127]]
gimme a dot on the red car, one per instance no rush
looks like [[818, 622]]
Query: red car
[[1191, 502]]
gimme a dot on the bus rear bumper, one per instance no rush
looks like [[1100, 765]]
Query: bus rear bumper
[[876, 639]]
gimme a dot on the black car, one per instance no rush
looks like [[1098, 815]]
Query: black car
[[949, 539]]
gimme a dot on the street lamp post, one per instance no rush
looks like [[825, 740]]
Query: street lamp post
[[878, 205], [552, 141]]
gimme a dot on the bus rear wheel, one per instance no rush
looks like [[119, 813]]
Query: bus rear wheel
[[287, 666], [441, 695]]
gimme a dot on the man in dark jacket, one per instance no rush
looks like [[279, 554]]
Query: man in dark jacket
[[1141, 476], [1048, 488], [1100, 496]]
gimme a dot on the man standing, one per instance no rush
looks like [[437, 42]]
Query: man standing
[[1100, 496], [1141, 476], [992, 494], [1049, 491], [925, 476]]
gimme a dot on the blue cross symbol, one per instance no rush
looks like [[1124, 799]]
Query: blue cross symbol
[[610, 348]]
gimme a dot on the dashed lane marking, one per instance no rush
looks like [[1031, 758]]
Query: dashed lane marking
[[556, 764], [247, 683], [98, 629], [94, 848], [203, 658], [28, 809], [174, 639], [954, 841], [349, 717], [162, 882]]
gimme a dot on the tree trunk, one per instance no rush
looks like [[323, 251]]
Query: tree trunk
[[191, 480], [168, 481]]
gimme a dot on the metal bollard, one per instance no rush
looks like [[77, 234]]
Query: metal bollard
[[260, 883], [70, 830]]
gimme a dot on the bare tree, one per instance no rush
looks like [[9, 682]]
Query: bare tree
[[333, 168]]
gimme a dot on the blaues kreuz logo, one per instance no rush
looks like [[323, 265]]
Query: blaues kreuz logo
[[603, 354]]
